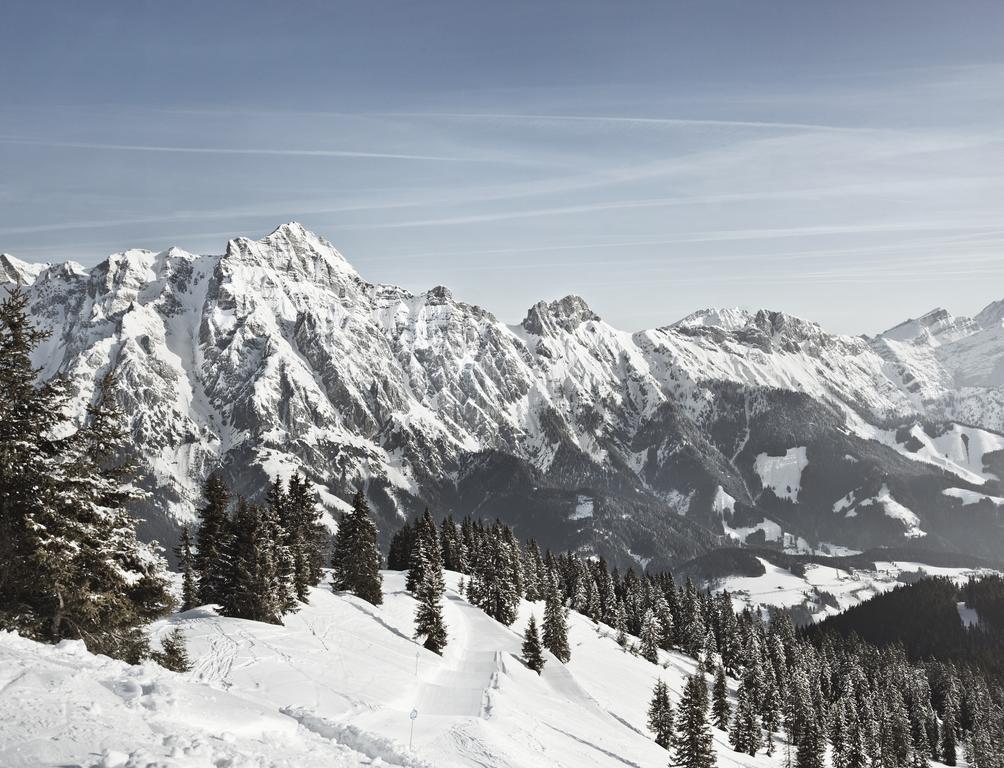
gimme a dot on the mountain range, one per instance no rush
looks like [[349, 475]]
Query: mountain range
[[648, 448]]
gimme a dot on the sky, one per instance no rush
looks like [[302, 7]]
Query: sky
[[841, 161]]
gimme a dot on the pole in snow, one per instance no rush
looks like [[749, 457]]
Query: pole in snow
[[411, 739], [417, 654]]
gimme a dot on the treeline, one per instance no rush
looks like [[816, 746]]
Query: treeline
[[923, 618], [71, 566]]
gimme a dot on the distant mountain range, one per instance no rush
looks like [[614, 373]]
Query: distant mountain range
[[648, 448]]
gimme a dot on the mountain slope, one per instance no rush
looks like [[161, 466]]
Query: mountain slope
[[648, 448]]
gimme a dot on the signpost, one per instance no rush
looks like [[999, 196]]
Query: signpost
[[411, 739]]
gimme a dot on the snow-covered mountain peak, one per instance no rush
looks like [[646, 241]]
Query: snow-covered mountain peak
[[566, 314], [991, 316], [934, 328], [294, 249], [14, 270], [728, 319]]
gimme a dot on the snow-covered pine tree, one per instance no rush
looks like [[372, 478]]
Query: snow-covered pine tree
[[173, 654], [532, 650], [620, 624], [309, 537], [660, 715], [30, 414], [426, 542], [811, 745], [492, 587], [454, 552], [212, 540], [693, 629], [691, 742], [949, 748], [253, 590], [355, 555], [651, 634], [533, 568], [555, 626], [745, 735], [429, 612], [111, 583], [283, 536], [189, 588], [720, 709]]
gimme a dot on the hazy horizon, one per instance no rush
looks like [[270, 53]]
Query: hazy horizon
[[840, 165]]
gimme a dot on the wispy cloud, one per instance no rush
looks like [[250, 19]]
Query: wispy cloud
[[340, 153], [675, 122]]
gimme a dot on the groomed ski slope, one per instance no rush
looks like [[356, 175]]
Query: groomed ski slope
[[334, 687]]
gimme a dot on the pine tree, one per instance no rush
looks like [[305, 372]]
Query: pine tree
[[70, 563], [948, 744], [283, 537], [425, 547], [399, 554], [355, 555], [660, 715], [213, 540], [745, 735], [620, 624], [650, 636], [720, 709], [429, 613], [188, 585], [555, 627], [532, 650], [691, 741], [307, 536], [810, 746], [493, 586], [252, 589], [173, 655]]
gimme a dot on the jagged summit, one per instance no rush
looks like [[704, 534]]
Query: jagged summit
[[991, 316], [567, 314], [14, 270], [728, 319], [935, 327]]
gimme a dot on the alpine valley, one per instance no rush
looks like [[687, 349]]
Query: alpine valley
[[728, 427]]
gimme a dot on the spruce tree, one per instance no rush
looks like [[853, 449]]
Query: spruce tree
[[173, 655], [213, 540], [660, 715], [493, 586], [532, 650], [355, 563], [691, 741], [399, 553], [189, 588], [745, 735], [555, 627], [253, 588], [720, 709], [70, 563], [429, 613], [308, 537], [948, 743], [650, 636]]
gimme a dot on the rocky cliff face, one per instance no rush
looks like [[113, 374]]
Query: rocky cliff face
[[647, 448]]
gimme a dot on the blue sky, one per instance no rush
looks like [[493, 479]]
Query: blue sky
[[838, 160]]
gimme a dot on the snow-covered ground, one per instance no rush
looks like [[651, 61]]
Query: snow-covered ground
[[334, 686]]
